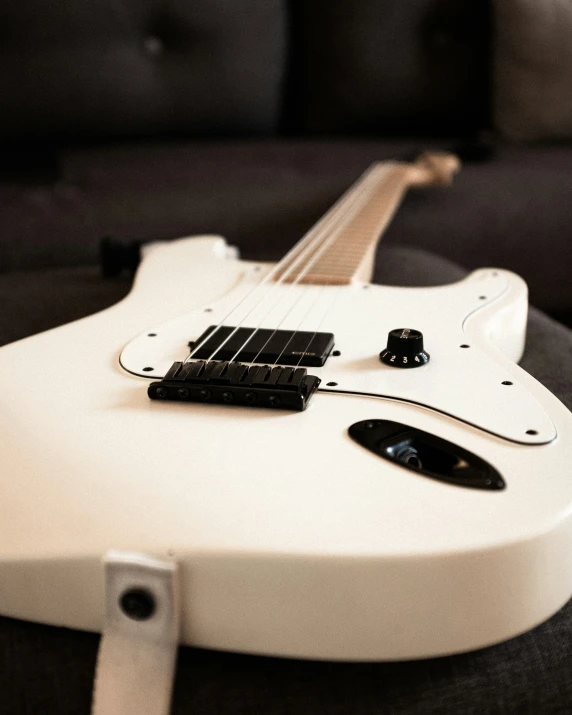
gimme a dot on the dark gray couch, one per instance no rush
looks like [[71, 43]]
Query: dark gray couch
[[143, 120], [146, 120]]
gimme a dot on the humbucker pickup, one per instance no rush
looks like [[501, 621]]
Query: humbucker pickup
[[276, 386], [260, 345]]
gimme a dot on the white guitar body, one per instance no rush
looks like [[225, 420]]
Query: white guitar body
[[292, 538]]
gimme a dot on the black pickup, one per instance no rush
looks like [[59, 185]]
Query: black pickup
[[260, 345], [276, 386]]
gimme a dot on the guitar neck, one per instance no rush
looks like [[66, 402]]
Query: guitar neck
[[340, 248]]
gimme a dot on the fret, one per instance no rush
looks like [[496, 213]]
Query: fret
[[342, 249]]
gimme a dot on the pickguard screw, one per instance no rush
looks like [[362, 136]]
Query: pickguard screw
[[250, 397], [183, 392], [161, 392], [274, 400], [331, 384], [227, 397], [137, 604], [336, 353], [205, 395]]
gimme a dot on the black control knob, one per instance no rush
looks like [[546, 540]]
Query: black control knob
[[404, 349]]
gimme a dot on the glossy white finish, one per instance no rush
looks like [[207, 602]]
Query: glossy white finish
[[291, 538]]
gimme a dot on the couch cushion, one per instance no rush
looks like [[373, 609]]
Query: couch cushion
[[371, 67], [136, 66], [512, 212], [50, 670], [533, 69]]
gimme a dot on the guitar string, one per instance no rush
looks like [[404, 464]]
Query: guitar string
[[297, 328], [328, 309], [338, 262], [326, 240], [295, 255], [357, 203], [277, 328], [264, 298], [301, 248], [266, 279], [340, 209], [324, 316]]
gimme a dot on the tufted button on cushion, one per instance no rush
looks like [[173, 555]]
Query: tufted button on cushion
[[154, 46]]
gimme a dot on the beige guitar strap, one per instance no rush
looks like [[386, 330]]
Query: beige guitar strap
[[138, 650]]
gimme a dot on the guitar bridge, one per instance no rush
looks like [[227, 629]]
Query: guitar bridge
[[278, 387]]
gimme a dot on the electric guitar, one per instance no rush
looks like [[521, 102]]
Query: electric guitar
[[341, 470]]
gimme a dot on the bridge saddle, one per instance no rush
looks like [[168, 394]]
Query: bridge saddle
[[275, 386]]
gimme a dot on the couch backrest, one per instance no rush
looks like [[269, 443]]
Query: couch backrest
[[221, 67], [121, 67], [390, 66]]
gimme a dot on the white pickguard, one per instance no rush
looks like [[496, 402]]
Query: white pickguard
[[291, 538], [360, 316]]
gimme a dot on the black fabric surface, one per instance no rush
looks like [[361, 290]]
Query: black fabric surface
[[371, 67], [124, 67], [511, 212], [50, 670]]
